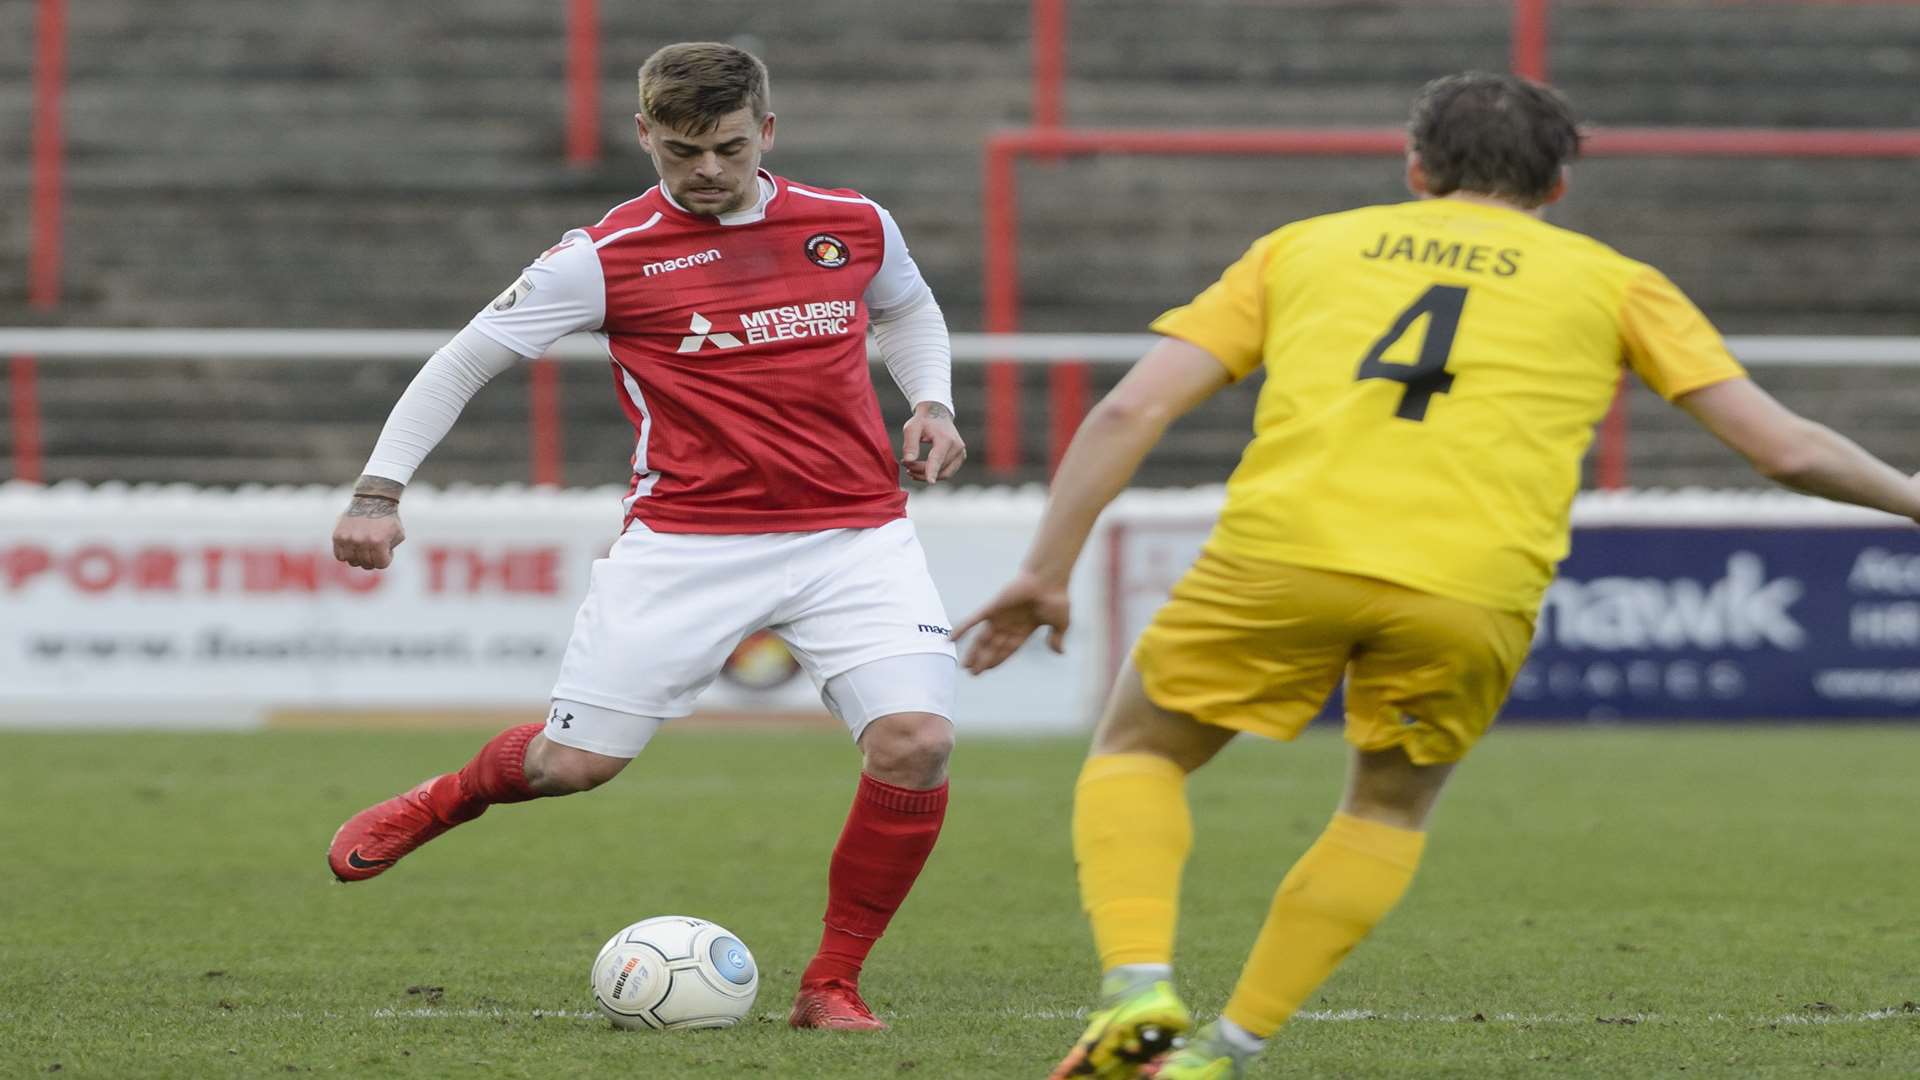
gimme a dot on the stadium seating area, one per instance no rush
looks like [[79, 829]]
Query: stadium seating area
[[353, 164]]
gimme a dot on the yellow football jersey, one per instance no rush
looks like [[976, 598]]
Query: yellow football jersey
[[1434, 372]]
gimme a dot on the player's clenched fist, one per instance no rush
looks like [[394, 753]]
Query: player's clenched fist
[[370, 529]]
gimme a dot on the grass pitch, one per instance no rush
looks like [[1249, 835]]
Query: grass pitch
[[1595, 903]]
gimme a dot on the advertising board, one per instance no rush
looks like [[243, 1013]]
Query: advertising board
[[173, 606], [203, 608], [1685, 606]]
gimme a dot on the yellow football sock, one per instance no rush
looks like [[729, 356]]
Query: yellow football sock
[[1345, 883], [1131, 835]]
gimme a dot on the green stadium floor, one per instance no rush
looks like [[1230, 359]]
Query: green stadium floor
[[1603, 903]]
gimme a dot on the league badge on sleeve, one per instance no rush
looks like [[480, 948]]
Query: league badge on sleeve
[[515, 293], [826, 249]]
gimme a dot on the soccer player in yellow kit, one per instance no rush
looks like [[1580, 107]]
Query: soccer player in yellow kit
[[1434, 372]]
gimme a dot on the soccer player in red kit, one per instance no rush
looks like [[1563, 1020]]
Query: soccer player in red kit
[[734, 306]]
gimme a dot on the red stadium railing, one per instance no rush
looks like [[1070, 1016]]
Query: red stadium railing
[[1068, 382], [583, 151], [1048, 25], [1049, 29], [583, 82], [1528, 35], [1530, 52], [44, 241], [1001, 256]]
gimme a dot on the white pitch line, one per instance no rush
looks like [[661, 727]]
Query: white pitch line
[[1625, 1019], [1342, 1016], [435, 1012], [1324, 1016], [1843, 1018]]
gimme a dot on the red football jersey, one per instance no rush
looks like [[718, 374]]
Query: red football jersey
[[739, 352]]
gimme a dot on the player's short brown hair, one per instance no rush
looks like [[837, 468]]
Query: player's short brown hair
[[688, 87], [1493, 134]]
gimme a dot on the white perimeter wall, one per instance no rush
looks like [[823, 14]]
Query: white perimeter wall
[[173, 606]]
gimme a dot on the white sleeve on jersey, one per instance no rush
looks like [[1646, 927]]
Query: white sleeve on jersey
[[898, 285], [914, 346], [909, 330], [561, 292], [432, 402]]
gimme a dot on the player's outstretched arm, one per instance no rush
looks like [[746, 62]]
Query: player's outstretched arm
[[370, 528], [1170, 380], [1795, 452]]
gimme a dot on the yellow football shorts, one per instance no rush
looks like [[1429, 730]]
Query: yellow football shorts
[[1258, 646]]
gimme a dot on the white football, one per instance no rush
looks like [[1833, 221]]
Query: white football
[[673, 971]]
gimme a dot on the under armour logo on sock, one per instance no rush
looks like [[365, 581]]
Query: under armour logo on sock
[[564, 721], [700, 325]]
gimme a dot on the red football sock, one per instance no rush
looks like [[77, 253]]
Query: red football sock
[[888, 836], [497, 774]]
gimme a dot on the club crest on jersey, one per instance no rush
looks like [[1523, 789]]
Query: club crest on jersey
[[827, 250], [515, 293], [702, 328]]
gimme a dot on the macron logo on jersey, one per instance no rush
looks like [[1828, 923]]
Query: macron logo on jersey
[[668, 266], [701, 325]]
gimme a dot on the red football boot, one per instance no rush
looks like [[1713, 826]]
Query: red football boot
[[377, 837], [833, 1006]]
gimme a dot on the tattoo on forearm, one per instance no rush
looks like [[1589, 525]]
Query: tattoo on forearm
[[372, 506], [375, 497], [379, 485], [939, 412]]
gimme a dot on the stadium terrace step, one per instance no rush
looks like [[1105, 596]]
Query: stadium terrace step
[[364, 166]]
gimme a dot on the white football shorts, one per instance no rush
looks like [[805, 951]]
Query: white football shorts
[[663, 612]]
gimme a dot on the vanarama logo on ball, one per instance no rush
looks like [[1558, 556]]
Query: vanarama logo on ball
[[626, 972]]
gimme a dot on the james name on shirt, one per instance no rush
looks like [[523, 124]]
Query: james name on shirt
[[1473, 258]]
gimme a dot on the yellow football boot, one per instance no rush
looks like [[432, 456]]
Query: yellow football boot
[[1205, 1056], [1192, 1064], [1127, 1034]]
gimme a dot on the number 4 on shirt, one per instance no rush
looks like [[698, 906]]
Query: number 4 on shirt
[[1429, 375]]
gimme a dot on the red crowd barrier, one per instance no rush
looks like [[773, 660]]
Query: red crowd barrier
[[1046, 139], [583, 82], [44, 239], [1068, 382], [1001, 258]]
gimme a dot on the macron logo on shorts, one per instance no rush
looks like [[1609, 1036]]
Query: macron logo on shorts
[[701, 325]]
